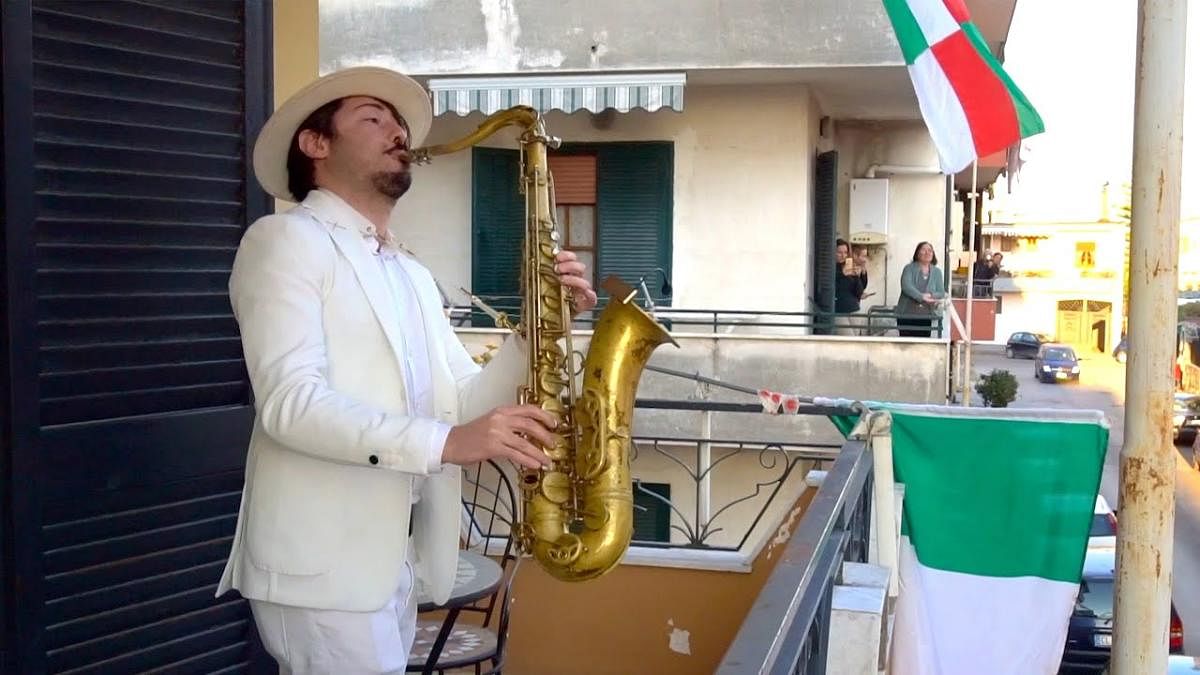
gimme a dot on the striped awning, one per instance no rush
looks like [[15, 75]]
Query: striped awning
[[569, 93]]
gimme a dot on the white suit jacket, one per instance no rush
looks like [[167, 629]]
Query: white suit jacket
[[324, 518]]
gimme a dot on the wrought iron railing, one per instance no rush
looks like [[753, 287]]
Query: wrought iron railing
[[787, 629], [876, 321], [751, 476], [704, 461]]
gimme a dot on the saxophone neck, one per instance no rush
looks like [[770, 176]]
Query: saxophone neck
[[522, 116]]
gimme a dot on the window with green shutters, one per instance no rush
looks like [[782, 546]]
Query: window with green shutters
[[497, 214], [652, 512], [633, 214]]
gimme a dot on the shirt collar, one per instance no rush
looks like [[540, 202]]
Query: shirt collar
[[335, 211]]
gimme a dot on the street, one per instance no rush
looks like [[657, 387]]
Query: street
[[1102, 387]]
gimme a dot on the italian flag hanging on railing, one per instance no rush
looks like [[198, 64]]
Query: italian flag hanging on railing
[[998, 507], [971, 106]]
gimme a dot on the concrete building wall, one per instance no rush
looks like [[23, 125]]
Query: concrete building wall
[[906, 370], [742, 232], [507, 36], [1035, 307], [916, 202], [1052, 267], [742, 191]]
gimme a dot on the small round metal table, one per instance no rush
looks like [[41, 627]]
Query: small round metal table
[[478, 577]]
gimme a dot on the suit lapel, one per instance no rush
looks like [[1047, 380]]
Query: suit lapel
[[374, 285], [340, 220], [370, 276]]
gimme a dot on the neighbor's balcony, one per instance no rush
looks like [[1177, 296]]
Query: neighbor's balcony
[[725, 529], [775, 351]]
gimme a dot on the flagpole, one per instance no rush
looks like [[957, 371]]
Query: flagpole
[[1145, 539], [970, 284]]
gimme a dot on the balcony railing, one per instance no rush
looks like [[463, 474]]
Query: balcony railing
[[721, 490], [762, 468], [876, 321], [787, 629]]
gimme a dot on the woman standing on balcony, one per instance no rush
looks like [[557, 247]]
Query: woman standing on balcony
[[921, 287]]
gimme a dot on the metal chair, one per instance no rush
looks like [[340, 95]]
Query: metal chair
[[489, 513]]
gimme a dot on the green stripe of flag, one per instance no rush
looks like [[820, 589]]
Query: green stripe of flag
[[1028, 119], [998, 497], [908, 31]]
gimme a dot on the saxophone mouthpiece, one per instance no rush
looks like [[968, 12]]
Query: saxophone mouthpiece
[[422, 156]]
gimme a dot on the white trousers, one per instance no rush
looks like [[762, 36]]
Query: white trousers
[[328, 642]]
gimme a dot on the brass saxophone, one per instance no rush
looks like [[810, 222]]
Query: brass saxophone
[[576, 517]]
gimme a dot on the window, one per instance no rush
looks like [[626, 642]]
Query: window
[[614, 207], [651, 512], [1085, 254], [575, 199]]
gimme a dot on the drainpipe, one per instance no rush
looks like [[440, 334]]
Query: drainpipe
[[949, 230], [1147, 497], [970, 302], [901, 169]]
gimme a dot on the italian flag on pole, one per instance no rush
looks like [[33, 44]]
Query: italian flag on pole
[[997, 510], [970, 105]]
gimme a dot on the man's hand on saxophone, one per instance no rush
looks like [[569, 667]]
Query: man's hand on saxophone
[[571, 273], [501, 434]]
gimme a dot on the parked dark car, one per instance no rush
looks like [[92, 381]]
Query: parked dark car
[[1055, 362], [1024, 345], [1089, 633]]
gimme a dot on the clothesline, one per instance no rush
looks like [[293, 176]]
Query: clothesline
[[773, 402]]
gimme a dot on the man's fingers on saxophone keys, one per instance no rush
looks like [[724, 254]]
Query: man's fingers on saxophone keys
[[526, 453], [535, 413], [534, 431], [522, 459]]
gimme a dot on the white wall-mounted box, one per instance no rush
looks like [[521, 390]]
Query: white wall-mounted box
[[869, 211]]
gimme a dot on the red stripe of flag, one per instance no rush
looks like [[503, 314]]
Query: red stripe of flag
[[958, 9], [984, 98]]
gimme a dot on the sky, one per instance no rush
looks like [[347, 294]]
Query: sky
[[1075, 60]]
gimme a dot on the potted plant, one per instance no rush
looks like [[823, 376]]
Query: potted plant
[[998, 388]]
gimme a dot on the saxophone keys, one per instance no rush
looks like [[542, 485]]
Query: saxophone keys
[[556, 487]]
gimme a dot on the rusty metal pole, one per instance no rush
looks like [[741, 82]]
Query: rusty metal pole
[[1147, 497]]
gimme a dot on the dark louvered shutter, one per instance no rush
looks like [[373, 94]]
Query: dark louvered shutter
[[497, 216], [652, 512], [824, 238], [634, 199], [130, 388]]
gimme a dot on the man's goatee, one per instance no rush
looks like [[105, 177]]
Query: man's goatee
[[393, 184]]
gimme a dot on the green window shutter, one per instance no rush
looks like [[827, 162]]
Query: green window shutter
[[634, 212], [824, 237], [651, 514], [497, 225]]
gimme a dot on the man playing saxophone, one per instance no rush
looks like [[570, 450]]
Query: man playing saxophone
[[367, 404]]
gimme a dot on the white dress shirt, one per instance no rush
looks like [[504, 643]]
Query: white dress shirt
[[395, 265]]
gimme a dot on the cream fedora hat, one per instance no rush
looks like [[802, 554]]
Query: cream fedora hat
[[275, 139]]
